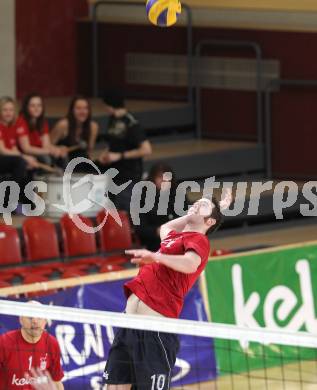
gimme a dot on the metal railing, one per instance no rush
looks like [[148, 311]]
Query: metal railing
[[227, 44], [95, 56], [271, 87]]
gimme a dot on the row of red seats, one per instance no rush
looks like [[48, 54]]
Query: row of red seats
[[41, 243]]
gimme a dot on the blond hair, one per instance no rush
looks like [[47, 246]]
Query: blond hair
[[4, 100]]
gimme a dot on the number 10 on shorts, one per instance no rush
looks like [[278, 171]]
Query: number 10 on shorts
[[158, 382]]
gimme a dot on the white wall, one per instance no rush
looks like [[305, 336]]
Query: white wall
[[7, 47]]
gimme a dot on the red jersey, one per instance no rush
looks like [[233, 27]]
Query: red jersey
[[162, 288], [17, 356], [35, 136], [8, 135]]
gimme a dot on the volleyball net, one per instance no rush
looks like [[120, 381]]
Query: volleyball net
[[211, 355]]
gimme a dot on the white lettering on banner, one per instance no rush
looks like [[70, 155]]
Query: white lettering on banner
[[85, 371], [283, 296], [96, 383], [92, 342], [288, 302], [184, 369], [243, 311], [65, 335], [110, 334]]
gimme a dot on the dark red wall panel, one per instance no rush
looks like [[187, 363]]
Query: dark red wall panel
[[230, 113], [115, 40], [294, 133], [46, 45], [54, 58]]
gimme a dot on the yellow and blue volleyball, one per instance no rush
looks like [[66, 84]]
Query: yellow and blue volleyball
[[163, 13]]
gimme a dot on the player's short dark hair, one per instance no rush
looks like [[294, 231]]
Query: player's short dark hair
[[216, 214]]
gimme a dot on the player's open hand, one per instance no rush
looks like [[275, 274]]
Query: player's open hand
[[41, 380], [141, 256]]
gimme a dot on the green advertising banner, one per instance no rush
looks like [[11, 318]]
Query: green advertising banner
[[274, 289]]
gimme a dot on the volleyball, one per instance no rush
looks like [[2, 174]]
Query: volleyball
[[163, 13]]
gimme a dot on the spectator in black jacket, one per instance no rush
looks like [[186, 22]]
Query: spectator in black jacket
[[127, 146], [148, 231]]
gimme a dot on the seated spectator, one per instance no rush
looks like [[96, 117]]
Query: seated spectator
[[12, 161], [150, 222], [33, 133], [77, 131], [127, 146]]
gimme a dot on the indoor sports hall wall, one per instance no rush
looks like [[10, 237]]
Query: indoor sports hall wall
[[53, 56], [7, 46], [287, 5], [263, 14], [46, 45], [224, 111], [303, 5]]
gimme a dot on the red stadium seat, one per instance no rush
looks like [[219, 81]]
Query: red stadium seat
[[83, 263], [10, 249], [41, 243], [4, 284], [76, 241], [115, 260], [40, 239], [113, 236], [111, 268], [73, 273], [37, 278], [36, 269]]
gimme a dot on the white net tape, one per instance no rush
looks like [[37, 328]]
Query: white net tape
[[168, 325]]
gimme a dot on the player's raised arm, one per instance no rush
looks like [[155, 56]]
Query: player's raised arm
[[186, 263], [177, 224]]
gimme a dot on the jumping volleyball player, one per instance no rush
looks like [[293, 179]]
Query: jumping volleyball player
[[145, 359]]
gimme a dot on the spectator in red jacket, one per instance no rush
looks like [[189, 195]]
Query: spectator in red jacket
[[33, 132], [13, 163]]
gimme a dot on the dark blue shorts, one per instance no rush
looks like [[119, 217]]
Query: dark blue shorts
[[142, 358]]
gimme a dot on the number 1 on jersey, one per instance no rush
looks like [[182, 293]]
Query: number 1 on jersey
[[30, 362]]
